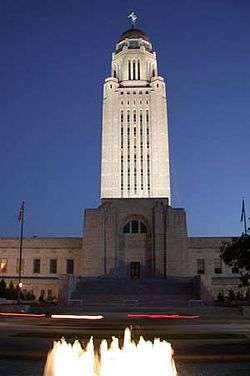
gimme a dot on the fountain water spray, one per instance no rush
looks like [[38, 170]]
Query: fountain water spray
[[145, 358]]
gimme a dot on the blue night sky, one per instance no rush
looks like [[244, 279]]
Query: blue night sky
[[55, 55]]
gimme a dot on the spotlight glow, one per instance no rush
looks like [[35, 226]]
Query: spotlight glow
[[144, 358]]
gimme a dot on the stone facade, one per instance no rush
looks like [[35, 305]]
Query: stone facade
[[41, 276], [216, 276], [109, 249]]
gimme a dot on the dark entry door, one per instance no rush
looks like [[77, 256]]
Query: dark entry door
[[135, 269]]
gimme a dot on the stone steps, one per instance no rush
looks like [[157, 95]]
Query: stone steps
[[147, 292]]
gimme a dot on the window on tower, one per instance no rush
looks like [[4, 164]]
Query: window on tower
[[129, 70], [134, 74], [148, 172], [135, 227], [128, 117]]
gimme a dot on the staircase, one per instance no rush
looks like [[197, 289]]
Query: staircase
[[127, 293]]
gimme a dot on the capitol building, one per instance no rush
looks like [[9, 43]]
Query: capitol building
[[135, 234]]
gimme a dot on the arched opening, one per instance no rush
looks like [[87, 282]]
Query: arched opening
[[135, 227], [135, 248]]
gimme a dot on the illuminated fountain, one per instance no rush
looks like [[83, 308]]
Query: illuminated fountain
[[144, 358]]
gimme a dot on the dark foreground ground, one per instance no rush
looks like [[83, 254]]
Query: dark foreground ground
[[199, 340], [207, 346], [35, 368]]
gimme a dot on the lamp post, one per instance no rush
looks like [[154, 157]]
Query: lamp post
[[21, 220]]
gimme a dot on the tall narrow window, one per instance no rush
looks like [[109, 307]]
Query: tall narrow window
[[128, 130], [36, 265], [134, 75], [141, 118], [139, 71], [128, 118], [122, 129], [148, 172], [141, 179], [122, 171], [147, 124], [200, 266], [128, 150], [141, 148], [70, 266], [53, 266], [129, 70]]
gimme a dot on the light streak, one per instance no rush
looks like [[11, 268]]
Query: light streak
[[16, 314], [158, 316], [77, 317]]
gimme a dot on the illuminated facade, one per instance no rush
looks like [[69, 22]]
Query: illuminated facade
[[135, 155]]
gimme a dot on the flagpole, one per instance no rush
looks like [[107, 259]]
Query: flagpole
[[20, 255], [243, 217], [245, 223]]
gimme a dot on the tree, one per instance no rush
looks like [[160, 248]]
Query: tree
[[236, 254], [2, 288], [11, 291]]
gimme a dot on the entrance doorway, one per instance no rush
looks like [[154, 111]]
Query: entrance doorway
[[135, 270]]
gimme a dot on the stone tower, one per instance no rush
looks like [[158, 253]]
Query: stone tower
[[135, 154], [134, 233]]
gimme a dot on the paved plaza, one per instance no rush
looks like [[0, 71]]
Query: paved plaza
[[198, 340]]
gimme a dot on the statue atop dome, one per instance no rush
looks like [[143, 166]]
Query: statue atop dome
[[133, 17]]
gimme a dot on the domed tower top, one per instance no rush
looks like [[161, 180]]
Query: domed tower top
[[133, 34], [133, 38]]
